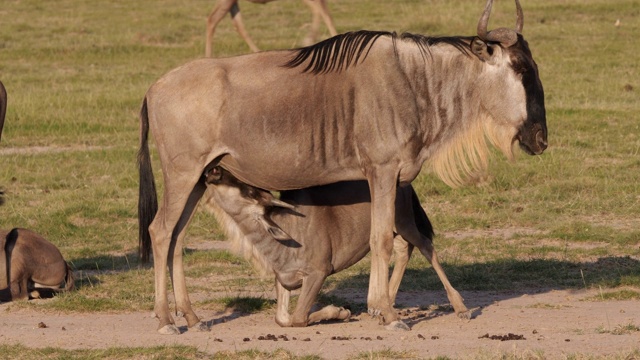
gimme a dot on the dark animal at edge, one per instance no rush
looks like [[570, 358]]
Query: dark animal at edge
[[3, 112]]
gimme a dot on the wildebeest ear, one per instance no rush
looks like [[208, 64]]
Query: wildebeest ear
[[274, 230], [480, 49]]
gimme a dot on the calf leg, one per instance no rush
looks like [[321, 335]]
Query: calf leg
[[320, 12], [402, 251], [282, 306]]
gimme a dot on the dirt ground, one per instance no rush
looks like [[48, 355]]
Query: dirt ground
[[550, 324]]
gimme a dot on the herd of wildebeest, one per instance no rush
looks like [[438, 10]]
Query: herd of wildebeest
[[339, 129]]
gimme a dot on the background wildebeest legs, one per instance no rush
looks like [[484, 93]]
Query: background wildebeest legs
[[318, 8]]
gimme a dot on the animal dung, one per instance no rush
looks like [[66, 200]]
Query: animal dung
[[507, 337]]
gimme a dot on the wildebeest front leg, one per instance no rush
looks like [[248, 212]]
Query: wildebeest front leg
[[383, 193]]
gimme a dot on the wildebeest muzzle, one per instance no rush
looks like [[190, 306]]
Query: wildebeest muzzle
[[533, 138]]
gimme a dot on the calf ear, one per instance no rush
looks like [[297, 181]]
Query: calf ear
[[483, 51], [274, 230]]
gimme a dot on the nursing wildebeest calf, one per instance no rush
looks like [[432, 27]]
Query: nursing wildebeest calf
[[326, 232], [31, 266], [371, 106]]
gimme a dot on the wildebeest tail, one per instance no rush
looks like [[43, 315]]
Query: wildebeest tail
[[147, 196], [3, 106], [422, 220], [69, 280]]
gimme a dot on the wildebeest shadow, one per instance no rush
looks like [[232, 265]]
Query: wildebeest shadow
[[87, 270], [502, 279]]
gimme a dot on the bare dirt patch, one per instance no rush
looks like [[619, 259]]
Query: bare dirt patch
[[552, 323]]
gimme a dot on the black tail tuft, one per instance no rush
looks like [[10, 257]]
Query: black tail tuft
[[147, 195]]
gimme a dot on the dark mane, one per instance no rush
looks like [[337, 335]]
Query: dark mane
[[345, 50]]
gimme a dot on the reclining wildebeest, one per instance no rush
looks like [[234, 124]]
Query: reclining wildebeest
[[366, 105], [309, 234], [31, 267]]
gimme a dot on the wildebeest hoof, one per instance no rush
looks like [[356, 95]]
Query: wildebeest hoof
[[200, 326], [170, 329], [397, 326], [344, 314], [465, 315]]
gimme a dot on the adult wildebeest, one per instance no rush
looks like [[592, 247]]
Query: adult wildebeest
[[318, 8], [367, 105], [31, 266], [326, 233]]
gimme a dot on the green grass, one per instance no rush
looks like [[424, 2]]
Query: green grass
[[76, 74], [10, 352]]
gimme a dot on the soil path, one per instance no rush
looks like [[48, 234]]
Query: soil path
[[553, 324]]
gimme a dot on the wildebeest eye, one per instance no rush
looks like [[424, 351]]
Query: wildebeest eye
[[519, 65]]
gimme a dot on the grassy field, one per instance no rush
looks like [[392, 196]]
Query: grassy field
[[76, 72]]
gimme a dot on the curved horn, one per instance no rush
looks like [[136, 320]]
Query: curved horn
[[484, 21], [520, 18], [504, 36]]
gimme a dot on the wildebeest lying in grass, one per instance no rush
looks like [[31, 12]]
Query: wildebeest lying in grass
[[312, 233], [31, 267]]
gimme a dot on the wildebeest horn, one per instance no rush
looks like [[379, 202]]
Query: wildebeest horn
[[506, 37]]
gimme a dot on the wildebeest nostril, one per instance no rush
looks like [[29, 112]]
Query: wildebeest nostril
[[540, 140]]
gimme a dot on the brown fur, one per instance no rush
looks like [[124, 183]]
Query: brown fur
[[33, 266]]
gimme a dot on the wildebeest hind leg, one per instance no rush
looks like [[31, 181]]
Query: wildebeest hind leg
[[164, 241], [452, 294], [176, 268], [414, 226]]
